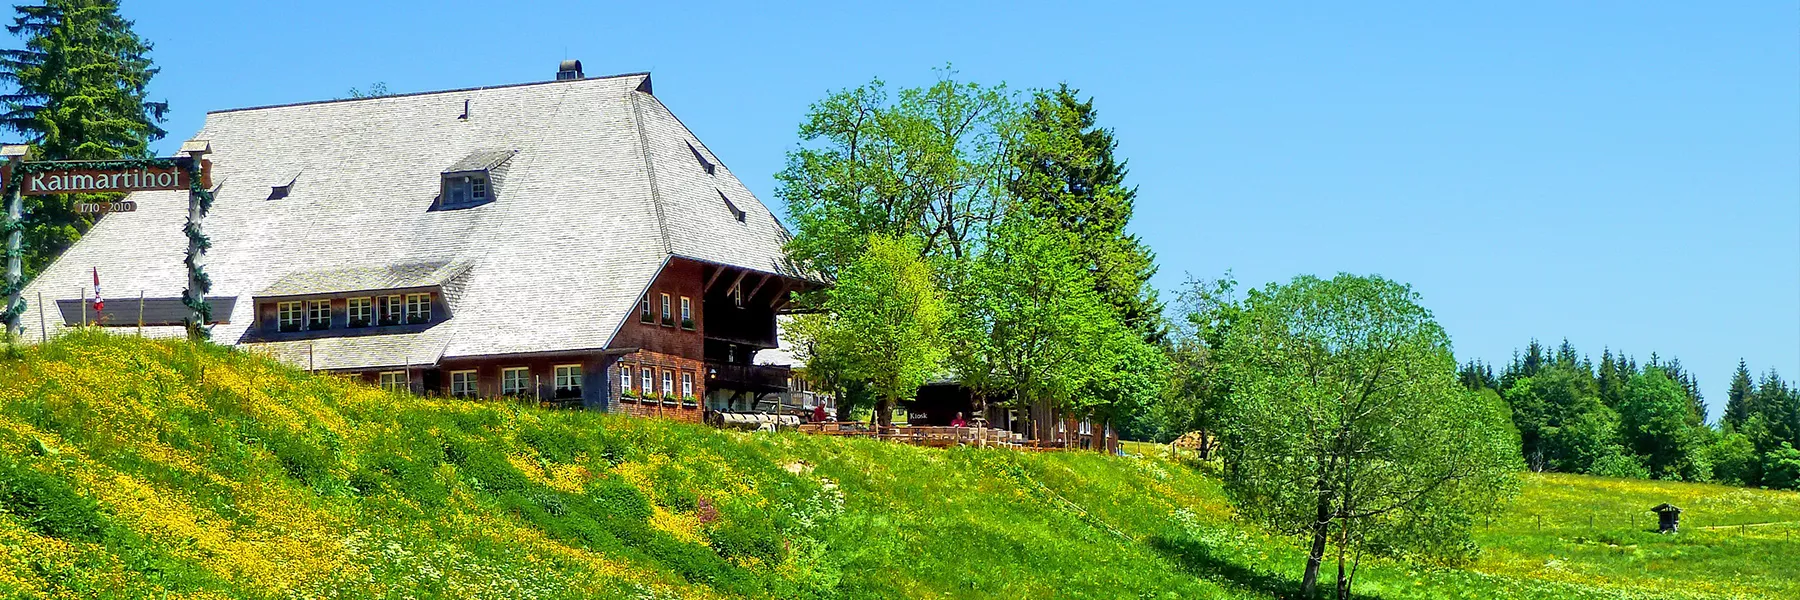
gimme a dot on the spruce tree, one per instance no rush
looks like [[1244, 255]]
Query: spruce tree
[[78, 94], [1066, 173], [1738, 401]]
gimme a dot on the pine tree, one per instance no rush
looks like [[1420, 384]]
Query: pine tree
[[1738, 401], [1611, 386], [1534, 358], [1067, 174], [79, 94]]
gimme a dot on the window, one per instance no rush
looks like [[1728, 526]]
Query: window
[[737, 296], [462, 384], [288, 316], [687, 313], [465, 189], [731, 353], [666, 320], [514, 380], [668, 388], [624, 379], [649, 383], [360, 311], [568, 381], [393, 381], [687, 384], [705, 165], [644, 309], [736, 213], [418, 308], [318, 314], [391, 310]]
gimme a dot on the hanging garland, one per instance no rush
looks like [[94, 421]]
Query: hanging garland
[[195, 299], [161, 162], [10, 314]]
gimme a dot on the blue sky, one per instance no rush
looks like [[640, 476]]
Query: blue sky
[[1622, 174]]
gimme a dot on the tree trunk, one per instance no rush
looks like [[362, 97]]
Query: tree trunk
[[1309, 584], [884, 412]]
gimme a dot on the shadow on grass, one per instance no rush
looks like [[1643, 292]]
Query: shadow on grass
[[1199, 560]]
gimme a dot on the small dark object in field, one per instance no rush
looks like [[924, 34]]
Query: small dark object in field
[[1668, 518]]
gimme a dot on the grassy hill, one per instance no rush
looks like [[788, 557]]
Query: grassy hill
[[136, 469]]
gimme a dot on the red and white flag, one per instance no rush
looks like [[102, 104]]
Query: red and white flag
[[99, 303]]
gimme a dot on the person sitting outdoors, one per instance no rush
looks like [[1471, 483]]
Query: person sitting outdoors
[[818, 415], [958, 421]]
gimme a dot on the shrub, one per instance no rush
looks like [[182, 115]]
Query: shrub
[[1781, 467], [1617, 463]]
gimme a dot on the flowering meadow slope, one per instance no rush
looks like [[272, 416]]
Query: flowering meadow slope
[[133, 469]]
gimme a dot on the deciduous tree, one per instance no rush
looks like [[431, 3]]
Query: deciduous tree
[[1347, 425], [884, 320]]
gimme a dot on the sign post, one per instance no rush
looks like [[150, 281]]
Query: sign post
[[200, 199], [189, 171], [12, 226]]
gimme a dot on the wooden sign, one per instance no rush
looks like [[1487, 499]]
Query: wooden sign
[[45, 180]]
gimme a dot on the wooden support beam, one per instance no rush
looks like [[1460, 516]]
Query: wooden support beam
[[759, 286], [710, 280], [780, 297], [738, 280]]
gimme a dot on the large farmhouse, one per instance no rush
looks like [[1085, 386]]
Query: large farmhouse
[[568, 239]]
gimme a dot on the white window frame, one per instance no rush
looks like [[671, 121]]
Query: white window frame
[[313, 308], [424, 303], [687, 310], [515, 381], [290, 313], [649, 378], [465, 384], [687, 384], [567, 377], [393, 306], [668, 383], [361, 308], [667, 313], [624, 378], [645, 313], [394, 381], [478, 187]]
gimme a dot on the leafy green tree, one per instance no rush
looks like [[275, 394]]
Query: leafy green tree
[[1065, 172], [1781, 467], [927, 163], [79, 93], [1347, 425], [1734, 460], [884, 322], [1654, 420], [1044, 323], [1194, 400]]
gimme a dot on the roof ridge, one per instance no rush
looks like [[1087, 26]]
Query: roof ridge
[[426, 93], [637, 121]]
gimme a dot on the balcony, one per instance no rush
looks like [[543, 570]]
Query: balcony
[[749, 378]]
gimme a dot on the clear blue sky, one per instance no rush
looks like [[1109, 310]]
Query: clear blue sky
[[1622, 174]]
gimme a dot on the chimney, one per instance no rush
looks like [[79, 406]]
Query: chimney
[[569, 69]]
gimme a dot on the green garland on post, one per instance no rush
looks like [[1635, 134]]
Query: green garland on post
[[195, 299], [161, 162], [10, 314]]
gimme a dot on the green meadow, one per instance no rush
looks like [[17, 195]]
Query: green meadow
[[133, 469]]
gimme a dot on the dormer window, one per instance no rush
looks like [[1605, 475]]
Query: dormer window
[[473, 181], [465, 190]]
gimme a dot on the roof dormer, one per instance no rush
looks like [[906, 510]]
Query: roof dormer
[[474, 180]]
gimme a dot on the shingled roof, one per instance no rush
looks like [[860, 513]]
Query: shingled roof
[[602, 188]]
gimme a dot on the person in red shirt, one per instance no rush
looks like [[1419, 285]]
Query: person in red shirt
[[818, 413], [958, 421]]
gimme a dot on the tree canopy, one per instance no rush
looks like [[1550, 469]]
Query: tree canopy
[[1346, 424]]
